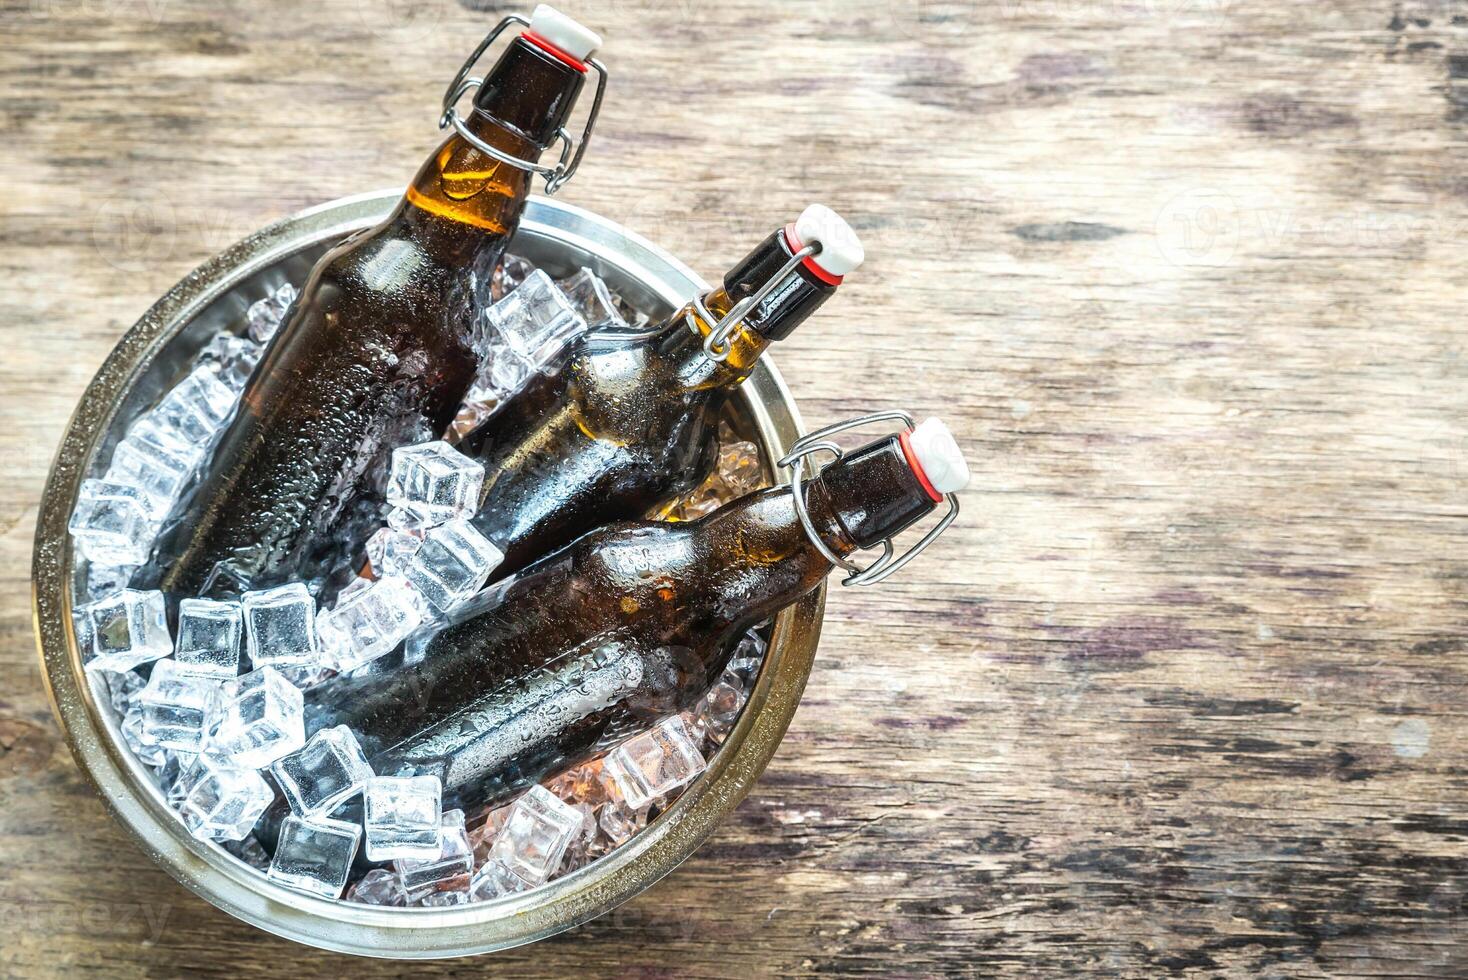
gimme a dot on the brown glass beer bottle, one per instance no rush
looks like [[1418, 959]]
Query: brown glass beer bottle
[[620, 426], [376, 352], [630, 623]]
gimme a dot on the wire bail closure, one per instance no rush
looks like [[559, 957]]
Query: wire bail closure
[[716, 345], [571, 150], [819, 441]]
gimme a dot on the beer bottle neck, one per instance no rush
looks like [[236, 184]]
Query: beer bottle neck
[[763, 557], [524, 100], [799, 294]]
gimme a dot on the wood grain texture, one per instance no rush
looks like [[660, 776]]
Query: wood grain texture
[[1183, 694]]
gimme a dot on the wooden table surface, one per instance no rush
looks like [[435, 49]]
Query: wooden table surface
[[1182, 695]]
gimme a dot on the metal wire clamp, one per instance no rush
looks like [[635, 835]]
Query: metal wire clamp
[[716, 345], [819, 441], [571, 151]]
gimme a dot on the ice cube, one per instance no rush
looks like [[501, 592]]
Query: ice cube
[[120, 687], [651, 765], [209, 636], [224, 802], [536, 834], [447, 872], [152, 461], [128, 628], [315, 856], [249, 851], [737, 472], [261, 718], [433, 482], [326, 772], [265, 316], [389, 550], [536, 320], [590, 297], [720, 707], [508, 275], [196, 407], [113, 523], [583, 847], [379, 887], [402, 814], [178, 705], [145, 749], [492, 880], [452, 564], [191, 769], [232, 358], [280, 626], [621, 823], [747, 657], [104, 580], [370, 623]]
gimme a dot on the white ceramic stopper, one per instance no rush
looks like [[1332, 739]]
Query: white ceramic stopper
[[550, 24], [841, 250], [938, 454]]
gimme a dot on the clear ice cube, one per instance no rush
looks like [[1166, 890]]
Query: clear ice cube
[[265, 316], [379, 887], [621, 823], [120, 687], [508, 275], [196, 407], [224, 802], [720, 707], [324, 773], [315, 856], [113, 523], [232, 358], [178, 705], [536, 321], [369, 623], [431, 483], [261, 718], [154, 463], [536, 834], [402, 816], [447, 872], [590, 297], [104, 580], [144, 748], [209, 636], [452, 564], [389, 550], [128, 628], [651, 765], [280, 626]]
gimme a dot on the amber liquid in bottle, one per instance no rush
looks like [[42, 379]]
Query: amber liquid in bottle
[[619, 427], [600, 639], [375, 353]]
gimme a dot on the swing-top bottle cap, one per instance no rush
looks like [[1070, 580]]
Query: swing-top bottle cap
[[936, 458], [841, 250], [562, 33]]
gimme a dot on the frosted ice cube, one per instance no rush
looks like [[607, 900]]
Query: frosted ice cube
[[261, 718], [452, 564], [196, 407], [128, 628], [178, 705], [326, 772], [590, 297], [280, 626], [315, 856], [224, 802], [265, 316], [536, 320], [379, 887], [535, 836], [154, 463], [445, 872], [209, 636], [389, 550], [370, 623], [232, 358], [113, 523], [402, 815], [433, 482], [653, 764], [147, 750]]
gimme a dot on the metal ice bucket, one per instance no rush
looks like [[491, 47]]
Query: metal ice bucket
[[152, 356]]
